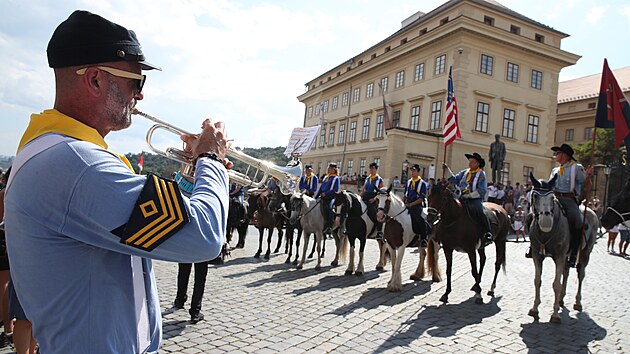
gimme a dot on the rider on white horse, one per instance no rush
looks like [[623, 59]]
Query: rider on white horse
[[473, 184], [370, 189], [309, 181], [415, 196], [329, 187]]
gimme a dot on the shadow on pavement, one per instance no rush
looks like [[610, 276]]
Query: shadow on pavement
[[173, 328], [440, 321], [571, 336]]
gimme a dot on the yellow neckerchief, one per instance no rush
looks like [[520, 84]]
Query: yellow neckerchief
[[372, 177], [53, 121], [414, 181], [330, 175], [471, 173], [308, 178], [565, 165]]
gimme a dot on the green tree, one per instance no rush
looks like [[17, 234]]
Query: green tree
[[605, 152]]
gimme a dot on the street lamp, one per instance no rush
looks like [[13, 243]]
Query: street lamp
[[607, 170], [405, 166]]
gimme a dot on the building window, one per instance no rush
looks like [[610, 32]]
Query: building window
[[440, 64], [532, 128], [592, 105], [588, 133], [342, 133], [361, 167], [365, 133], [357, 95], [317, 107], [539, 38], [322, 137], [331, 136], [353, 132], [379, 126], [350, 167], [384, 84], [396, 119], [486, 64], [488, 20], [504, 175], [444, 21], [436, 114], [387, 49], [536, 79], [512, 72], [344, 99], [325, 106], [414, 122], [369, 90], [310, 112], [526, 171], [335, 102], [515, 29], [403, 41], [508, 123], [568, 134], [481, 122], [400, 79], [419, 72], [422, 31]]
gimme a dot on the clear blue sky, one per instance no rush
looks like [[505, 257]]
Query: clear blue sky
[[245, 62]]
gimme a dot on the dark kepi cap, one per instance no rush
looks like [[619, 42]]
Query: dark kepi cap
[[476, 156], [374, 164], [566, 148], [308, 166], [415, 167], [332, 164], [85, 39]]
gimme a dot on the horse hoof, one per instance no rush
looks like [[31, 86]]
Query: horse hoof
[[310, 256], [295, 262], [393, 289], [299, 267], [334, 263], [444, 299], [318, 267], [266, 255], [577, 307], [379, 268], [490, 293], [240, 245], [478, 301], [533, 313], [348, 272], [555, 319], [276, 250], [561, 303], [358, 274], [257, 255], [415, 277], [287, 261]]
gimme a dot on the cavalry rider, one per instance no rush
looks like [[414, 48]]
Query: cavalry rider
[[329, 187], [568, 188], [415, 200], [370, 188], [309, 181], [237, 192], [472, 182]]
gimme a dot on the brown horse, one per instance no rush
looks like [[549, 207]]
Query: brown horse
[[458, 231], [265, 219], [618, 210], [280, 203]]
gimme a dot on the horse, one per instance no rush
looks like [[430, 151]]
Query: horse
[[457, 231], [279, 202], [309, 213], [237, 220], [550, 236], [265, 219], [356, 224], [618, 210], [399, 234]]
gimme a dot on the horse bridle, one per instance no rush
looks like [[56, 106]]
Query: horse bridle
[[622, 216], [308, 211], [386, 209], [543, 213]]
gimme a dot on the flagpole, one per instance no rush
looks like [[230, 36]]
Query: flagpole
[[345, 140]]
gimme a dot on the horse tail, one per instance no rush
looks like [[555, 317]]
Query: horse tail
[[343, 251]]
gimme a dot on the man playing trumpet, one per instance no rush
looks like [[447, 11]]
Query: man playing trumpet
[[89, 237]]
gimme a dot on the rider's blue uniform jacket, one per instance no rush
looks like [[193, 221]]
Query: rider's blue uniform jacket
[[309, 183]]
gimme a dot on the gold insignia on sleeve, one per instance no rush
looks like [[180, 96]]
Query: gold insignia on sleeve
[[158, 214]]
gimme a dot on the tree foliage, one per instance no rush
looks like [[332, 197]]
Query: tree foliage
[[605, 152]]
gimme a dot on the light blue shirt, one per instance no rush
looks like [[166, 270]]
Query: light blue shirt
[[563, 183], [480, 187], [72, 275]]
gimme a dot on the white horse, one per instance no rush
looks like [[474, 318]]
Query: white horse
[[309, 212], [399, 234]]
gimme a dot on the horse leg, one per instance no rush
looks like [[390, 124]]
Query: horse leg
[[260, 241], [419, 273], [477, 274], [557, 288], [433, 252], [500, 248], [350, 268], [394, 256], [448, 254], [537, 275], [396, 284], [297, 246], [313, 250], [360, 269], [335, 261], [318, 239], [301, 265], [382, 260], [289, 247], [280, 234], [578, 297]]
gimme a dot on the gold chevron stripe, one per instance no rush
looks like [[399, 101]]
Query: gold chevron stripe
[[156, 221], [166, 212], [178, 221]]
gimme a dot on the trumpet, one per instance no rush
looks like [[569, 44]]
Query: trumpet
[[259, 170]]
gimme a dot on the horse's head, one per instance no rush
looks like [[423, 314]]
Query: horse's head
[[297, 201], [342, 206], [440, 196], [543, 202], [618, 210], [276, 200]]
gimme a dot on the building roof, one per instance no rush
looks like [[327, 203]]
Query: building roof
[[588, 86]]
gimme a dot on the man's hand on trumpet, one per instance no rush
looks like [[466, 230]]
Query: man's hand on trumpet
[[211, 140]]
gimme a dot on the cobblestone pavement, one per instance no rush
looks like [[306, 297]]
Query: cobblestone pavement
[[267, 306]]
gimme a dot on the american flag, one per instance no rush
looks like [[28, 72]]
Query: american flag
[[451, 128]]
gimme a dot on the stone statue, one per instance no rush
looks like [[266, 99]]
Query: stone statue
[[496, 157]]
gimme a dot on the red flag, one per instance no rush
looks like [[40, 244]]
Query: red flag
[[451, 128], [613, 110], [141, 162], [386, 122]]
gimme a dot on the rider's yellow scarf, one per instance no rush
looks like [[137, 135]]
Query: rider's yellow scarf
[[308, 178], [53, 121], [372, 177], [471, 173], [565, 165], [414, 181]]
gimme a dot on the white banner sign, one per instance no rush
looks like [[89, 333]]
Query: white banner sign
[[301, 140]]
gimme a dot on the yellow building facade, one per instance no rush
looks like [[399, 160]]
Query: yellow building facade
[[505, 72]]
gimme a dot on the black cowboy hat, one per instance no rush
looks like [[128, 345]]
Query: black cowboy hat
[[415, 167], [567, 149], [476, 156]]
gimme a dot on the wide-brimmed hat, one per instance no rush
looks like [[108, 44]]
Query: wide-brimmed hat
[[86, 39], [476, 156], [416, 167], [566, 148]]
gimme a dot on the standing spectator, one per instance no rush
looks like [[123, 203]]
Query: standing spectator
[[500, 194], [508, 200], [492, 193], [396, 182], [183, 275], [625, 239], [612, 236], [519, 219]]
